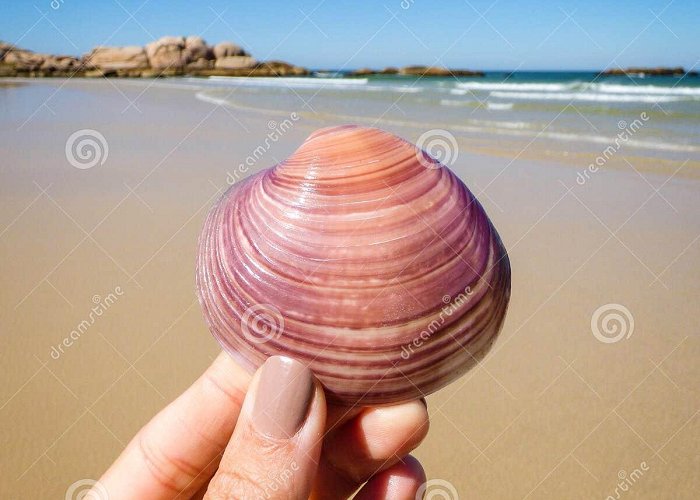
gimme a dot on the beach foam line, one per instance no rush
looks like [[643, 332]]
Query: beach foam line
[[542, 87], [284, 81], [455, 102], [646, 89], [496, 106], [403, 89], [508, 128], [499, 106], [359, 84], [586, 96]]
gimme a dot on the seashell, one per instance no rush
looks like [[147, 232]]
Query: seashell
[[361, 256]]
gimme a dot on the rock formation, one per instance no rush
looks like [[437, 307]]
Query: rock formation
[[226, 49], [116, 58], [678, 71], [437, 71], [235, 62], [167, 56], [421, 71]]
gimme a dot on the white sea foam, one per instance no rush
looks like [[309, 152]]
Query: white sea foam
[[646, 89], [581, 91], [495, 106], [585, 96], [499, 106], [289, 82], [329, 84], [456, 102], [543, 87], [219, 101]]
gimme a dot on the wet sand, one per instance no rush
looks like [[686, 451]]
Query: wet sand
[[552, 412]]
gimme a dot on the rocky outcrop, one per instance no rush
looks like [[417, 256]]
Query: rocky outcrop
[[4, 48], [364, 72], [195, 49], [21, 62], [109, 59], [167, 52], [61, 64], [24, 59], [267, 68], [167, 56], [678, 71], [423, 71], [227, 49], [235, 62]]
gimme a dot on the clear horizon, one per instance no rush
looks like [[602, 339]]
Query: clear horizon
[[471, 34]]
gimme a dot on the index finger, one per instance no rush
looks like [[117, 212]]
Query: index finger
[[178, 451]]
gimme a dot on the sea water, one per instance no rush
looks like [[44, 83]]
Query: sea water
[[569, 110]]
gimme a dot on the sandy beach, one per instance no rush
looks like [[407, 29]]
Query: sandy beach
[[558, 409]]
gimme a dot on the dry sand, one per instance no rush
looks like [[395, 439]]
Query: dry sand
[[551, 413]]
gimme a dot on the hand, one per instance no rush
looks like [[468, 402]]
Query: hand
[[269, 436]]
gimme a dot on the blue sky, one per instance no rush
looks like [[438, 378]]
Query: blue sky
[[501, 34]]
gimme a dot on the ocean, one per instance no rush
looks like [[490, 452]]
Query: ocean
[[567, 111]]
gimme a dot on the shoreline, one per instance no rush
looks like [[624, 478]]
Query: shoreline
[[504, 144]]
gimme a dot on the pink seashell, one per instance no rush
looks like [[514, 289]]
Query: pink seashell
[[361, 256]]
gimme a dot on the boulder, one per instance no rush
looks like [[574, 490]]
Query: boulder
[[196, 48], [5, 47], [116, 58], [199, 64], [166, 53], [280, 68], [23, 59], [60, 64], [227, 49], [234, 62]]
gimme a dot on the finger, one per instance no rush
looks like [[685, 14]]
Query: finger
[[275, 447], [338, 415], [371, 442], [179, 449], [399, 482]]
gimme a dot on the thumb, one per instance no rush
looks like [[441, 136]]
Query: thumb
[[275, 447]]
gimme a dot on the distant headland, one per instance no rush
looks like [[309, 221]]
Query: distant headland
[[659, 71]]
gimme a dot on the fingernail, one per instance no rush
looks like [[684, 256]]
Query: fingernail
[[283, 397]]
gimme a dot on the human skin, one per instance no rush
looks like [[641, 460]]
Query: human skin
[[271, 435]]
